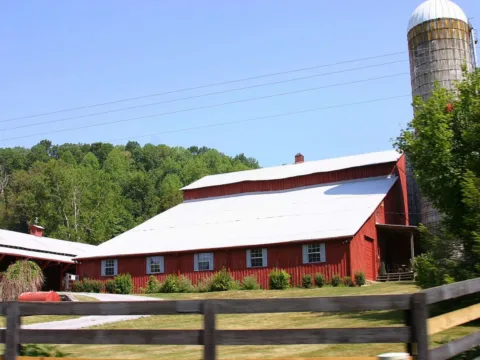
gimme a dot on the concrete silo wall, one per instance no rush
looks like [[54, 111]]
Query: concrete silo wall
[[438, 50]]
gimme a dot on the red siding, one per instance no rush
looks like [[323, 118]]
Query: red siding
[[287, 257], [290, 183], [357, 250]]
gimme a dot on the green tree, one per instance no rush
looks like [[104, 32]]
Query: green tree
[[443, 144]]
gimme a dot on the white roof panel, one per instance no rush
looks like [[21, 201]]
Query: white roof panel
[[317, 212], [35, 255], [436, 9], [37, 243], [292, 170]]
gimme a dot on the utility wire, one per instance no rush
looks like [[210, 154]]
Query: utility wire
[[205, 86], [201, 95], [208, 106]]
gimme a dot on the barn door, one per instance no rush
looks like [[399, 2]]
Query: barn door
[[369, 254]]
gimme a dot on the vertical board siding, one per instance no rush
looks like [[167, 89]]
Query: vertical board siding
[[290, 183], [357, 249], [287, 257]]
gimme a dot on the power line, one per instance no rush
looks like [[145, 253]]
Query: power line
[[207, 106], [199, 96], [206, 86], [262, 117]]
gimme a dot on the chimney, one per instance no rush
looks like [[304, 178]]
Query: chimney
[[36, 230], [299, 158]]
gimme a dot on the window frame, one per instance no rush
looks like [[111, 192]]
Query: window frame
[[321, 253], [199, 258], [263, 257], [105, 265], [161, 264]]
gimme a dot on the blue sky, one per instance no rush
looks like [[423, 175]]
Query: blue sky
[[58, 55]]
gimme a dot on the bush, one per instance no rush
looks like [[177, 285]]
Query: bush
[[222, 281], [347, 281], [123, 284], [170, 285], [41, 351], [307, 281], [430, 273], [88, 286], [21, 276], [110, 286], [278, 280], [360, 278], [185, 285], [152, 286], [320, 280], [249, 283], [336, 280], [205, 285]]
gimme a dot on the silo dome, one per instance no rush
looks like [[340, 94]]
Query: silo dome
[[436, 9]]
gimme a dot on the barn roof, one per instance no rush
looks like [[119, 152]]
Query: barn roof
[[293, 170], [309, 213], [26, 245]]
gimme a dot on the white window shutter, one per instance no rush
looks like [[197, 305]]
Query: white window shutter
[[249, 259], [211, 262], [195, 262], [162, 264], [103, 267], [115, 265], [323, 257], [149, 271], [264, 255], [305, 254]]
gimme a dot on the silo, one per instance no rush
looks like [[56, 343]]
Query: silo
[[440, 42]]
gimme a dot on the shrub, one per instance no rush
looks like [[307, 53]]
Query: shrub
[[278, 280], [110, 286], [123, 284], [185, 285], [320, 280], [41, 351], [205, 285], [77, 286], [21, 276], [347, 281], [336, 280], [170, 285], [87, 285], [249, 283], [431, 273], [307, 281], [360, 278], [222, 281], [152, 286]]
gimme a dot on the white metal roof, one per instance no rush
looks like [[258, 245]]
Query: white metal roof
[[309, 213], [436, 9], [12, 242], [292, 170]]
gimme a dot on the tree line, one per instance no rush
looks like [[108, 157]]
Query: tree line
[[93, 192]]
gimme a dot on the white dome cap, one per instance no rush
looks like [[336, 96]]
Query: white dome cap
[[436, 9]]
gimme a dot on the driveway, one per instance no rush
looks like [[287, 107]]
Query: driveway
[[88, 321]]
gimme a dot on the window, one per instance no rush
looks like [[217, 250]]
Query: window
[[109, 267], [314, 253], [203, 262], [155, 265], [256, 258]]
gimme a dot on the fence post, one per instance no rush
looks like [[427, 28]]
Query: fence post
[[12, 337], [419, 325], [209, 320], [408, 322]]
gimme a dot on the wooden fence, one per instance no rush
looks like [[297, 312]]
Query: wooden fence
[[414, 333]]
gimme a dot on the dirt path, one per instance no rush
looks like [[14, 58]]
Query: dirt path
[[88, 321]]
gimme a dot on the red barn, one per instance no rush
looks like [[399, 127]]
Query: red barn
[[334, 216]]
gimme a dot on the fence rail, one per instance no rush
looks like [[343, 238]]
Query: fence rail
[[414, 334]]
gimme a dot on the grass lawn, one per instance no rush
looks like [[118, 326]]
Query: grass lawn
[[267, 321], [85, 298]]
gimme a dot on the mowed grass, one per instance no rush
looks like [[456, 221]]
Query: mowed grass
[[85, 298], [267, 321]]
